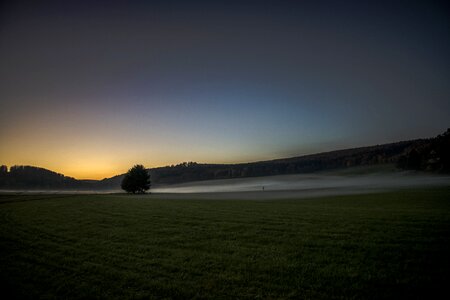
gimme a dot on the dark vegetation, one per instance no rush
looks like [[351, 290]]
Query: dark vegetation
[[423, 154], [25, 177], [380, 154], [136, 180], [380, 246], [429, 155]]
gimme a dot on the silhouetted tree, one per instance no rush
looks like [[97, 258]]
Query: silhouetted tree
[[137, 180], [3, 169], [414, 160], [428, 155], [3, 176]]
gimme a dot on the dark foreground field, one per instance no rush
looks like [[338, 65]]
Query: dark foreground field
[[392, 245]]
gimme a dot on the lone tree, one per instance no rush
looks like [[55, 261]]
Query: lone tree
[[137, 180]]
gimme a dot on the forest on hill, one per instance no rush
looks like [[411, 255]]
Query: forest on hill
[[422, 154]]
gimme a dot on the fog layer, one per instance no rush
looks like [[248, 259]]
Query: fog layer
[[307, 184]]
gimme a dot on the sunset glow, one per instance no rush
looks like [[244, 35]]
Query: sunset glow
[[89, 91]]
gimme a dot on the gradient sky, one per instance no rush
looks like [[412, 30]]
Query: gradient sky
[[90, 89]]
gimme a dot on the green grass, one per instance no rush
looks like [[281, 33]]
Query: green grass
[[392, 245]]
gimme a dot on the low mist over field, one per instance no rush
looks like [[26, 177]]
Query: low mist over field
[[350, 181], [311, 183], [237, 149], [428, 157]]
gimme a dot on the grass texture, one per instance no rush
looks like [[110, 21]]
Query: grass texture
[[377, 246]]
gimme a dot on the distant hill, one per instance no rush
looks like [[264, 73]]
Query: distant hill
[[28, 177], [421, 154]]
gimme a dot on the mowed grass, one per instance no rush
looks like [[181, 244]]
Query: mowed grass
[[392, 245]]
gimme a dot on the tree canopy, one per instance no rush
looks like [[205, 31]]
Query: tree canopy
[[136, 180]]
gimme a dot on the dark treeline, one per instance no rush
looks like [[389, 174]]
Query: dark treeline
[[429, 155], [26, 177], [423, 154], [381, 154]]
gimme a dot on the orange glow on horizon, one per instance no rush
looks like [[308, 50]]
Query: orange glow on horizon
[[97, 167], [96, 149]]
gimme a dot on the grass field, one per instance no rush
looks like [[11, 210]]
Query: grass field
[[391, 245]]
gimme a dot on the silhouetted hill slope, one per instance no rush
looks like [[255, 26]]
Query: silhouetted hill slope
[[380, 154], [421, 154], [392, 153], [28, 177], [430, 155]]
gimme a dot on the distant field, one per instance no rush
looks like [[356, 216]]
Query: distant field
[[330, 183], [388, 245]]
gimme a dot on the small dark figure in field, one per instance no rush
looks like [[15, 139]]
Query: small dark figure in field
[[137, 180], [263, 188]]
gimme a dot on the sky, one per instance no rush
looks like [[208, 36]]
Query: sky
[[89, 88]]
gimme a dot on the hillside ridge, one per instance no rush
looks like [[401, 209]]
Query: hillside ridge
[[419, 154]]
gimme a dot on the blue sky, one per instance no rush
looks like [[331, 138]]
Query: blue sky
[[89, 89]]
